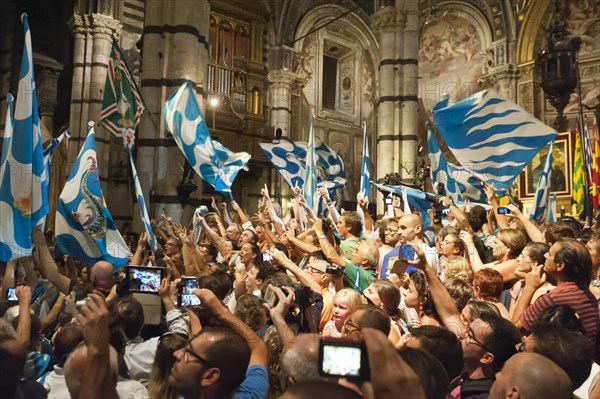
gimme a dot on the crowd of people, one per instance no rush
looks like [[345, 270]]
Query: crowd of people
[[478, 304]]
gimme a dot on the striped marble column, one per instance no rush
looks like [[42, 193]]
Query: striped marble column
[[175, 49], [409, 65]]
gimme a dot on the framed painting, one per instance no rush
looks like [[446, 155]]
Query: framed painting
[[562, 168]]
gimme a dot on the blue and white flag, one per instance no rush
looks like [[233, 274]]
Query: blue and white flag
[[460, 184], [24, 192], [492, 138], [214, 163], [289, 158], [552, 211], [541, 201], [365, 171], [142, 205], [310, 172], [416, 198], [84, 227]]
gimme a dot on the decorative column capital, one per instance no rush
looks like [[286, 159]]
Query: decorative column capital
[[387, 18], [281, 78], [105, 25]]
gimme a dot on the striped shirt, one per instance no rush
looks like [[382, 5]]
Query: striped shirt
[[582, 300]]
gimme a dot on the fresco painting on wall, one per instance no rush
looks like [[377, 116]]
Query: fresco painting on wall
[[449, 60], [584, 21]]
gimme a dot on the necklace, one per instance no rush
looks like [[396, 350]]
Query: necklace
[[595, 283]]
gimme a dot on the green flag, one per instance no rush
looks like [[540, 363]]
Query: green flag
[[122, 106]]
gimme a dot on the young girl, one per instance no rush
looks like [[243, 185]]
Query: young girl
[[386, 295], [345, 302]]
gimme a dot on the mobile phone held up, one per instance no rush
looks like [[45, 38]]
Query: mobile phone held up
[[186, 297], [503, 211], [11, 295], [341, 357], [144, 279], [407, 252]]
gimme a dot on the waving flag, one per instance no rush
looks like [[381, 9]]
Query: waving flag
[[578, 177], [85, 229], [416, 198], [24, 192], [542, 195], [460, 184], [492, 138], [122, 105], [310, 172], [142, 205], [214, 163], [552, 211], [289, 158], [365, 175], [596, 169]]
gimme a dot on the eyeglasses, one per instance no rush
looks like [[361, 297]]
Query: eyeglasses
[[313, 270], [391, 231], [187, 352], [350, 328], [471, 337]]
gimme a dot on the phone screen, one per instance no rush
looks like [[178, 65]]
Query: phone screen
[[343, 358], [186, 296], [144, 279], [408, 252], [11, 294], [503, 211]]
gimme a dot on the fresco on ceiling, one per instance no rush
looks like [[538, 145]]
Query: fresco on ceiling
[[584, 21], [449, 60]]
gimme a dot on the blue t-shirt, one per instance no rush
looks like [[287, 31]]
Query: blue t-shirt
[[255, 386]]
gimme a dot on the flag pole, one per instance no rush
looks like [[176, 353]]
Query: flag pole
[[586, 183]]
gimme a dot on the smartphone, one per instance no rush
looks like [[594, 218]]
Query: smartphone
[[388, 200], [341, 357], [186, 298], [271, 297], [408, 252], [11, 295], [144, 279], [503, 211]]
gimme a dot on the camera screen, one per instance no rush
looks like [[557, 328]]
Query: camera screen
[[187, 296], [11, 294], [503, 211], [341, 360], [144, 279]]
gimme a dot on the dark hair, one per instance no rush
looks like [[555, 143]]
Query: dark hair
[[577, 260], [129, 315], [218, 282], [430, 371], [563, 315], [501, 339], [477, 217], [67, 339], [537, 251], [212, 250], [250, 310], [354, 223], [557, 231], [254, 240], [568, 349], [374, 317], [230, 354], [480, 307], [443, 345], [460, 291], [265, 269], [420, 282], [12, 371]]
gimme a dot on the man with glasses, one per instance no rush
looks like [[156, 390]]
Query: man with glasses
[[391, 235], [488, 343], [221, 362]]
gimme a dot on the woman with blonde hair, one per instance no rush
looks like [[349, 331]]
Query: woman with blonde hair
[[345, 302], [458, 268], [508, 244], [158, 388]]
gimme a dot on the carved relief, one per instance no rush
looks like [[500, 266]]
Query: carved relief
[[387, 17], [526, 99]]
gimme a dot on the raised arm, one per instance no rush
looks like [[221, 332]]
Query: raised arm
[[491, 196], [278, 312], [335, 215], [24, 326], [457, 213], [330, 252], [534, 233], [442, 300], [363, 204], [302, 275], [243, 217], [45, 263], [214, 237], [303, 246]]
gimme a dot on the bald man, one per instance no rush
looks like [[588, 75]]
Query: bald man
[[410, 227], [102, 276], [531, 375]]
